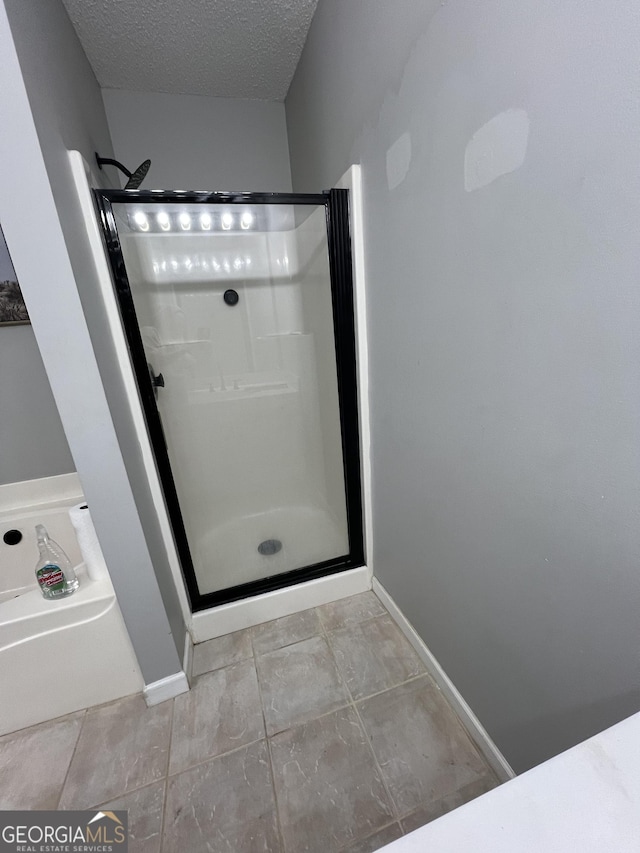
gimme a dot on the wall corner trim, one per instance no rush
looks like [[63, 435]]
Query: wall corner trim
[[165, 688], [472, 724], [352, 181]]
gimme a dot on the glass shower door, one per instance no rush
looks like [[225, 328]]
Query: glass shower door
[[230, 316]]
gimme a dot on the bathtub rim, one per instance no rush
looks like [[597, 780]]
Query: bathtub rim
[[54, 492]]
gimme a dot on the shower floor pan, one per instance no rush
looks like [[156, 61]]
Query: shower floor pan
[[228, 555]]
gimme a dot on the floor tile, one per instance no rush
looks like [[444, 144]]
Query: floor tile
[[430, 811], [347, 611], [221, 712], [422, 749], [145, 808], [122, 746], [348, 780], [223, 806], [374, 656], [285, 631], [222, 651], [34, 763], [328, 789], [298, 683], [377, 840]]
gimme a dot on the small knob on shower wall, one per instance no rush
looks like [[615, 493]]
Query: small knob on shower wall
[[231, 297], [156, 380]]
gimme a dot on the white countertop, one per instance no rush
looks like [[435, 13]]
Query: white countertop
[[586, 799]]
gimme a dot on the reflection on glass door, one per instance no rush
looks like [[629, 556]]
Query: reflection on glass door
[[231, 318]]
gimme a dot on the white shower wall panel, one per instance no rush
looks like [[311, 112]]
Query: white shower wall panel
[[317, 310], [250, 404]]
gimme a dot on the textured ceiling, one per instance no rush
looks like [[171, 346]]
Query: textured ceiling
[[223, 48]]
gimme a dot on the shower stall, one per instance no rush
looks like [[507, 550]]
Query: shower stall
[[238, 315]]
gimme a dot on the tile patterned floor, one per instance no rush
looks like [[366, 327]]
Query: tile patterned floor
[[319, 732]]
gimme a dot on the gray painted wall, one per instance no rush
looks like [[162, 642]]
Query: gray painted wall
[[201, 143], [33, 441], [49, 89], [505, 355]]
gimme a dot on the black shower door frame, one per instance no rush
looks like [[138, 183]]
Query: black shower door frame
[[336, 204]]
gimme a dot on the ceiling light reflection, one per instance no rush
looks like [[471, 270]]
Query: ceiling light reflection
[[140, 218]]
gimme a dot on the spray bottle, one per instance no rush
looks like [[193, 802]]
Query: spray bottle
[[54, 572]]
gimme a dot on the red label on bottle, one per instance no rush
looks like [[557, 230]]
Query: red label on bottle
[[50, 576]]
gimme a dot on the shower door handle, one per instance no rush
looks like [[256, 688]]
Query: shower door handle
[[156, 380]]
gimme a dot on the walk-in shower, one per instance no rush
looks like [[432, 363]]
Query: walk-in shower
[[238, 313]]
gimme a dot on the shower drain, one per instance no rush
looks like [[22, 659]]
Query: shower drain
[[269, 547]]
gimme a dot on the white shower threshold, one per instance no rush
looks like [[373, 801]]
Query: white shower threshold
[[237, 615]]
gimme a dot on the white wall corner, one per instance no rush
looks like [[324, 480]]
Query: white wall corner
[[85, 177], [472, 724], [165, 688], [352, 181]]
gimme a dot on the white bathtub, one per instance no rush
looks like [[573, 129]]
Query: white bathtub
[[55, 656]]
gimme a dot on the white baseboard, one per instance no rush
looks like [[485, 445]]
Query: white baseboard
[[218, 621], [165, 688], [187, 658], [474, 727]]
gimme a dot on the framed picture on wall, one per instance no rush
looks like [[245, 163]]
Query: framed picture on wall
[[13, 311]]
